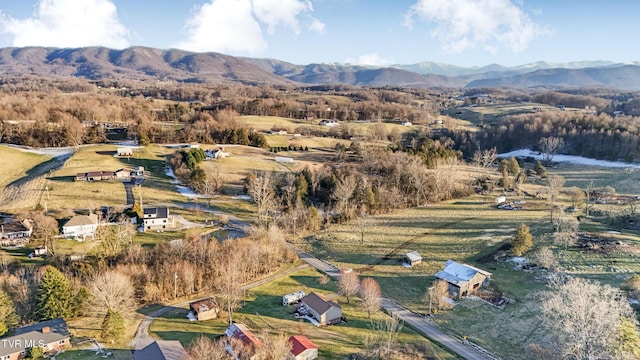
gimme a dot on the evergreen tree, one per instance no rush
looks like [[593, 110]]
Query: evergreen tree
[[513, 166], [8, 316], [55, 298], [112, 327], [522, 240], [540, 169]]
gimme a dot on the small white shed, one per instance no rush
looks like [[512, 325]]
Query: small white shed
[[284, 160], [412, 258]]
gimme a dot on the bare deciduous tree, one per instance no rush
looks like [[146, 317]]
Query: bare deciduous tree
[[113, 291], [229, 284], [343, 191], [203, 348], [437, 295], [260, 188], [114, 239], [349, 284], [419, 178], [544, 257], [583, 318], [485, 158], [387, 331], [554, 184], [550, 146], [370, 294], [565, 239], [276, 347]]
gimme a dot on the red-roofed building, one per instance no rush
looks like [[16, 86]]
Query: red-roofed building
[[302, 348], [242, 333]]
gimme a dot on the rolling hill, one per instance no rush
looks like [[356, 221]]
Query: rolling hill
[[149, 64]]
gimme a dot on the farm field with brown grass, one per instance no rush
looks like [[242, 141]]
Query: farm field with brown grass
[[472, 230], [263, 312]]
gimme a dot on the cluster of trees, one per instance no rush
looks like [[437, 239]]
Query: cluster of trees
[[369, 180], [595, 136], [111, 289]]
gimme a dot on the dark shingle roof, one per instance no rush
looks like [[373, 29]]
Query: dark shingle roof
[[58, 326], [319, 303], [162, 350]]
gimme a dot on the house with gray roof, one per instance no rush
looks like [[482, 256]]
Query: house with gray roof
[[51, 335], [162, 350], [326, 312], [157, 218], [463, 279], [81, 227]]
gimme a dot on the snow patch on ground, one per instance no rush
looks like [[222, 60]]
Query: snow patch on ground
[[53, 152], [519, 262], [190, 316], [570, 159], [183, 190]]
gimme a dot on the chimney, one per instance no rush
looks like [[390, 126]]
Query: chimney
[[46, 329]]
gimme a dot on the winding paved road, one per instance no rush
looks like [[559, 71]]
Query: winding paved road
[[142, 337], [406, 315]]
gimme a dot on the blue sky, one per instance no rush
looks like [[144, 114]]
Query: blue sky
[[370, 32]]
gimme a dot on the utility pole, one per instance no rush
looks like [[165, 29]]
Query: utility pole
[[430, 299], [140, 188]]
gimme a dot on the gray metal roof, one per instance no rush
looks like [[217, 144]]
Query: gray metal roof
[[458, 274], [17, 343]]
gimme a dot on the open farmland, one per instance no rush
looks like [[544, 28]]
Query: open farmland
[[30, 179], [263, 312], [492, 113], [472, 230]]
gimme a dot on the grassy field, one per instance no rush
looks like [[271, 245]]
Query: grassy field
[[473, 230], [263, 310], [492, 113], [20, 165], [81, 354], [66, 193], [23, 178]]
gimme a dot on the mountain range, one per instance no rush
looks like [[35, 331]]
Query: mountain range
[[149, 64]]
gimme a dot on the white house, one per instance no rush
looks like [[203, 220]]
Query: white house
[[80, 227], [329, 123], [124, 151], [157, 219]]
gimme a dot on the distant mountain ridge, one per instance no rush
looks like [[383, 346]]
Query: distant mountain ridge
[[149, 64]]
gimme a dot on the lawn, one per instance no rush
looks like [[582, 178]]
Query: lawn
[[23, 180], [457, 230], [66, 193], [493, 113], [20, 165], [473, 230], [81, 354], [263, 311]]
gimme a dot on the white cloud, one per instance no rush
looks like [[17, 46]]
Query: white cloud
[[280, 12], [68, 23], [234, 26], [371, 59], [317, 26], [463, 24], [225, 26]]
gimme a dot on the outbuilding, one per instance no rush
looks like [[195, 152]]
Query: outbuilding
[[412, 258]]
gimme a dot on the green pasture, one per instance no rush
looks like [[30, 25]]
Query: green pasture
[[262, 311]]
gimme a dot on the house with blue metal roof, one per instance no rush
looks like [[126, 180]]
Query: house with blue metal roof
[[463, 279]]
